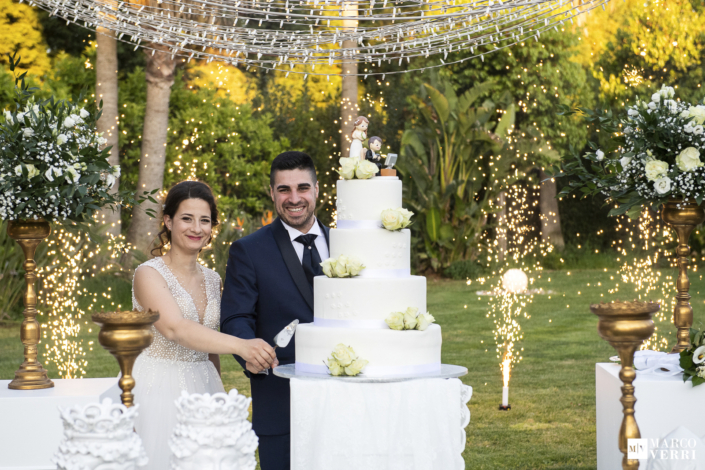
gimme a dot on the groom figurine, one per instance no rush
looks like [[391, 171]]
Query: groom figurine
[[269, 284]]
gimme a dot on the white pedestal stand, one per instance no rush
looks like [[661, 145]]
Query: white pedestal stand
[[378, 424], [662, 404], [30, 425]]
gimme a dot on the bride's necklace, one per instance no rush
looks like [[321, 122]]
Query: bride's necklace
[[200, 302]]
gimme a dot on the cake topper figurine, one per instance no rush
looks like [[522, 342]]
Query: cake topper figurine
[[371, 154], [359, 134]]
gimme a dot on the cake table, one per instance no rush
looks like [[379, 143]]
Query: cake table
[[378, 423]]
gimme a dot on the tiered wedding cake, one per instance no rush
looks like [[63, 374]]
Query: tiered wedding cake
[[352, 311]]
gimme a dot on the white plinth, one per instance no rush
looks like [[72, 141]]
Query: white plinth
[[663, 403], [413, 425], [30, 426]]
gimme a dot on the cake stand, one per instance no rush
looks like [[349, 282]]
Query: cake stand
[[447, 371]]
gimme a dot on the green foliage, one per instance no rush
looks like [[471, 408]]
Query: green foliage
[[538, 76], [226, 145], [465, 269], [11, 278], [21, 33], [451, 166]]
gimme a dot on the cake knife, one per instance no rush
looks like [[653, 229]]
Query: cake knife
[[282, 339]]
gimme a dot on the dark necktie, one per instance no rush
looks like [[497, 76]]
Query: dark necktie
[[312, 260]]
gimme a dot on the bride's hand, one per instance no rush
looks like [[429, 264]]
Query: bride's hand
[[258, 352]]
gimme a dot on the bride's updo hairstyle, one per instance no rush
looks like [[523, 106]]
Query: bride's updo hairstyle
[[177, 194]]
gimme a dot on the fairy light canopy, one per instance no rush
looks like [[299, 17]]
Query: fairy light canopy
[[311, 34]]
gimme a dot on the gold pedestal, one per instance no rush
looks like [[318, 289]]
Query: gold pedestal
[[31, 375], [683, 216], [125, 335], [625, 325]]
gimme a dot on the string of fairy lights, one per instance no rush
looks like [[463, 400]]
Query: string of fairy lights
[[279, 35]]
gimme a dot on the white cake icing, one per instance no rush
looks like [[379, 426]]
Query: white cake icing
[[389, 352], [384, 253], [352, 311], [362, 201], [365, 302]]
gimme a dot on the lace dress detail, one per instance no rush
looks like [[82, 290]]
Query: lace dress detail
[[166, 368]]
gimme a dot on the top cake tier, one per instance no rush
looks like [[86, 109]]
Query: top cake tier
[[361, 202]]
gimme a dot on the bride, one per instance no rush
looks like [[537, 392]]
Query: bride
[[184, 353]]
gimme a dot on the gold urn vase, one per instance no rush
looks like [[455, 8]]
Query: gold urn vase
[[31, 375], [683, 216], [626, 325], [125, 335]]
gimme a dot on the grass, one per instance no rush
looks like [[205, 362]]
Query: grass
[[552, 390]]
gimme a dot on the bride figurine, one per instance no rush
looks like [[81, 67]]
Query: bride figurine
[[359, 134]]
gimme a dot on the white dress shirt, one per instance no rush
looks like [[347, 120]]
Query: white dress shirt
[[320, 240]]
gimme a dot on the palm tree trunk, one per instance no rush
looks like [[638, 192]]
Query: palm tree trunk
[[550, 217], [159, 73], [106, 69], [348, 106]]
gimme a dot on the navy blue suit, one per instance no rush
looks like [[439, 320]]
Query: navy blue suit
[[265, 289]]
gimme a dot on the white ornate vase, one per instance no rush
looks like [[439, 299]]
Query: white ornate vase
[[99, 436], [213, 433]]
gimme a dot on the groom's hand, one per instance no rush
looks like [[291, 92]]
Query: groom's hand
[[253, 368]]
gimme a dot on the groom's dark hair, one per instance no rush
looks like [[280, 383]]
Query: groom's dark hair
[[292, 161]]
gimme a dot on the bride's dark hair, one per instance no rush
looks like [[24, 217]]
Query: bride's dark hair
[[177, 194]]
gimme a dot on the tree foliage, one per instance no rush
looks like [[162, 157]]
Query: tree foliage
[[21, 33], [453, 166]]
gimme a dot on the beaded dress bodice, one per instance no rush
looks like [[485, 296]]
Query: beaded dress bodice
[[163, 348]]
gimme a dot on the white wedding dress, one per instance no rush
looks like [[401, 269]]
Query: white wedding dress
[[164, 369]]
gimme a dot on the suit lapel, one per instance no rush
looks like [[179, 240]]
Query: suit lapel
[[281, 236]]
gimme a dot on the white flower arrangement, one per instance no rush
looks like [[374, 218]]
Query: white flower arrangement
[[342, 266], [51, 163], [396, 219], [655, 155], [345, 362], [351, 168], [692, 359], [409, 320]]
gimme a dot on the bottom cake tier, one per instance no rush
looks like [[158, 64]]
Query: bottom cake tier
[[389, 352]]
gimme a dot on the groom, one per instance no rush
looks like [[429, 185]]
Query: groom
[[269, 284]]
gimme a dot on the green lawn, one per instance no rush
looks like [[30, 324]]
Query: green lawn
[[552, 391]]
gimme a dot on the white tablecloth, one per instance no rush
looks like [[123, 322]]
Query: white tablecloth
[[412, 425], [30, 425], [662, 404]]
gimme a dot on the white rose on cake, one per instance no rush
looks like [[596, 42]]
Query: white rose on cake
[[344, 361], [424, 320], [689, 159], [655, 169], [334, 368], [354, 266], [348, 167], [410, 318], [365, 170], [356, 367], [342, 266], [396, 219], [395, 320], [343, 355], [328, 267], [392, 219]]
